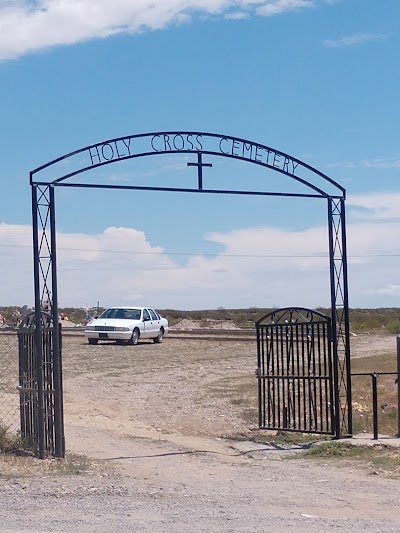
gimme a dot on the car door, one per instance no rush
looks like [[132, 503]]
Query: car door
[[155, 322], [148, 330]]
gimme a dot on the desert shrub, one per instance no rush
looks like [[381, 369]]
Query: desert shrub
[[11, 442], [242, 320], [362, 422], [394, 326]]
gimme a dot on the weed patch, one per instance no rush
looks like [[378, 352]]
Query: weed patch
[[387, 394], [12, 442], [378, 458], [13, 466]]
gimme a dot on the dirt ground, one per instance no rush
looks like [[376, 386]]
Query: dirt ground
[[167, 431]]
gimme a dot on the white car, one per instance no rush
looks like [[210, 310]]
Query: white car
[[127, 325]]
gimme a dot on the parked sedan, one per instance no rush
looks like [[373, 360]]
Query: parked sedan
[[127, 325]]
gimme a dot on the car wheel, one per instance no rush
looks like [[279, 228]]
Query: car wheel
[[159, 337], [135, 337], [93, 341]]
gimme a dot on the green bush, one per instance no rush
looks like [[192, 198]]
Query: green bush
[[394, 326]]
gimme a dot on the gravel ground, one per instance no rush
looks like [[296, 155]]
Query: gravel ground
[[159, 426]]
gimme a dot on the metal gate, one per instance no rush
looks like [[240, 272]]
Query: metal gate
[[294, 371], [39, 402]]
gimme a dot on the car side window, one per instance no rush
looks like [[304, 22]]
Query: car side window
[[133, 314], [153, 314], [146, 315]]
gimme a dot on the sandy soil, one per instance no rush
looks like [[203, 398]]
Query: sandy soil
[[369, 345], [161, 423]]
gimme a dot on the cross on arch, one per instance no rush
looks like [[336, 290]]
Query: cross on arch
[[200, 166]]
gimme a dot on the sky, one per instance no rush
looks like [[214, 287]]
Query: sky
[[316, 79]]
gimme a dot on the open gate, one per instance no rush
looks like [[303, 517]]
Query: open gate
[[296, 389], [40, 400]]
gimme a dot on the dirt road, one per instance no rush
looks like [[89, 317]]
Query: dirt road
[[160, 424]]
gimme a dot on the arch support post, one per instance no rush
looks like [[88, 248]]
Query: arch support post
[[340, 317], [48, 435]]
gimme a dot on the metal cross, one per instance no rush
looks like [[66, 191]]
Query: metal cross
[[199, 166]]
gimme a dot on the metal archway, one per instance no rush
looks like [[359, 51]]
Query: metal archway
[[60, 173]]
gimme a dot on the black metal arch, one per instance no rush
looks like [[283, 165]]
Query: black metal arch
[[58, 173], [200, 143], [290, 315]]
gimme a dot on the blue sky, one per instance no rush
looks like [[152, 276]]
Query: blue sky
[[317, 79]]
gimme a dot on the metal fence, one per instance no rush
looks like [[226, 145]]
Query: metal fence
[[9, 381]]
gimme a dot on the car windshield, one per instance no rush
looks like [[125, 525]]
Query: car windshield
[[129, 314]]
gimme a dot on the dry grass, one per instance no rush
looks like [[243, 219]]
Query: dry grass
[[379, 459], [12, 466], [387, 394]]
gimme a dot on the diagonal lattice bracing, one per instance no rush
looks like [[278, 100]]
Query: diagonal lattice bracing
[[340, 314], [45, 256], [44, 357]]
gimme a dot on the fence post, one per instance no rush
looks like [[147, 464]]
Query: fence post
[[398, 385], [374, 377]]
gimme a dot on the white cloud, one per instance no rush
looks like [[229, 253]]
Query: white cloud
[[382, 206], [303, 250], [392, 290], [381, 163], [356, 39], [263, 266], [236, 15], [393, 162], [27, 26], [282, 6]]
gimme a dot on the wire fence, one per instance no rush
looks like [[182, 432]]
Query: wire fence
[[9, 393]]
